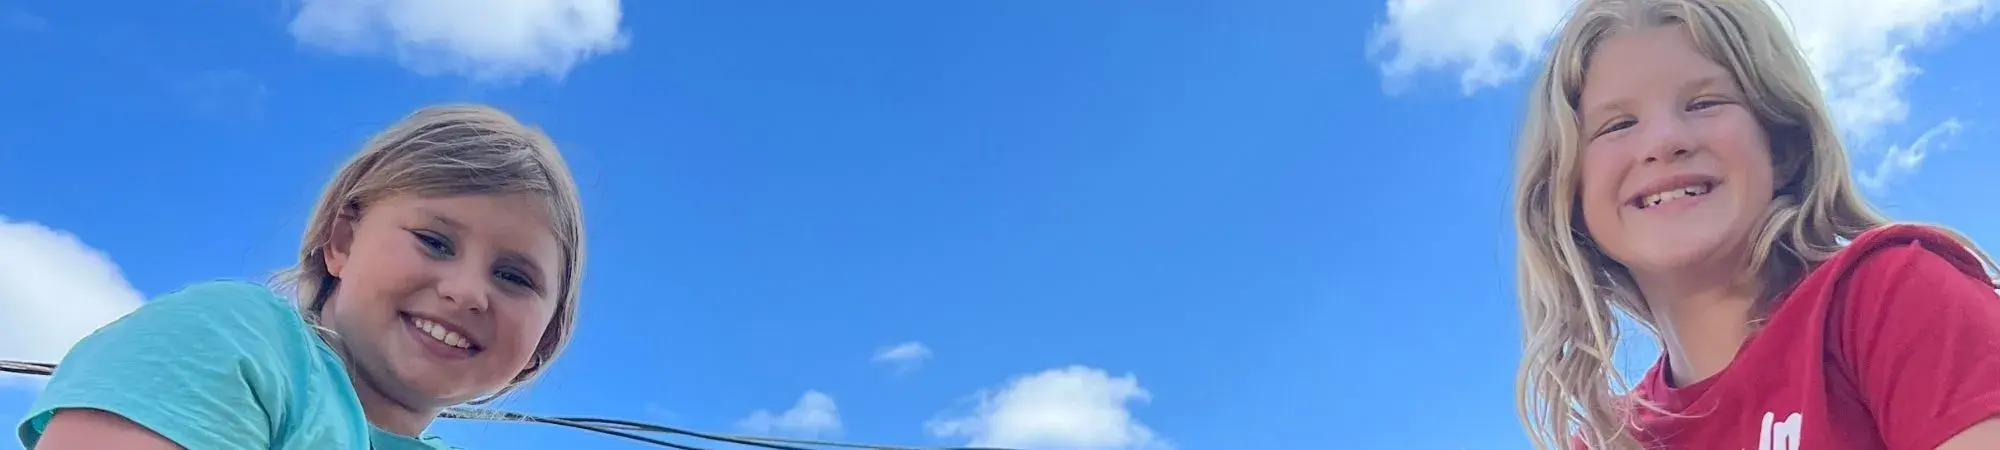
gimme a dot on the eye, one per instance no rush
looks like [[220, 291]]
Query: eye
[[1702, 104], [514, 277], [433, 244], [1616, 125]]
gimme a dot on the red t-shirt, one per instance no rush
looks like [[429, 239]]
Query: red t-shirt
[[1894, 343]]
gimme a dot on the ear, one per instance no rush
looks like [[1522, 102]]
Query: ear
[[340, 238]]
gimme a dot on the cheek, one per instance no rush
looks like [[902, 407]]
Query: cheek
[[525, 326], [1597, 190], [1744, 147], [393, 256], [387, 267], [381, 274]]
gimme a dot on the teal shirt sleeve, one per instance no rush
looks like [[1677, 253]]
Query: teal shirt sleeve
[[204, 366]]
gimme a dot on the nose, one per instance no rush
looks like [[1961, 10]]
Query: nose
[[1669, 139], [465, 287]]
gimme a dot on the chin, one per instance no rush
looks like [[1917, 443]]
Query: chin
[[420, 381], [1684, 252], [435, 385]]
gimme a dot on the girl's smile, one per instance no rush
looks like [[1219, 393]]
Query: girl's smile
[[1674, 193], [439, 338]]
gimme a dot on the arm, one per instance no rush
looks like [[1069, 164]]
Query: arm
[[1919, 330], [96, 428], [1985, 435]]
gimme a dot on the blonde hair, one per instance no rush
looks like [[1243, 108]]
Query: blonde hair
[[1570, 291], [440, 151]]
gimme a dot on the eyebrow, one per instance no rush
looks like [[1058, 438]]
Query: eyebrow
[[441, 218], [1706, 81], [1603, 108]]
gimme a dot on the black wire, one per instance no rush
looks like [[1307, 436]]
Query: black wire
[[613, 427], [666, 429], [642, 426], [587, 423], [27, 368], [612, 432]]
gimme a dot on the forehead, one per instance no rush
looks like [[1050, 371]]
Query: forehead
[[1653, 60]]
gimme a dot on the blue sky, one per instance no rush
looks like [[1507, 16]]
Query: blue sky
[[1181, 224]]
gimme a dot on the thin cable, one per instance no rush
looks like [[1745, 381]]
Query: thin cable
[[666, 429], [617, 433], [614, 424], [588, 423], [613, 427], [857, 446], [642, 426], [27, 368]]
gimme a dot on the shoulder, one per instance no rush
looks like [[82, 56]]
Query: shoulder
[[1903, 285], [1915, 326], [229, 297], [223, 320], [211, 365], [209, 322], [1906, 263], [1913, 250], [224, 307]]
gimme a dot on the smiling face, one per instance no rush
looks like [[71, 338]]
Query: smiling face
[[1677, 171], [442, 300]]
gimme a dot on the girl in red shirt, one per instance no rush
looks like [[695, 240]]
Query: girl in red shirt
[[1679, 166]]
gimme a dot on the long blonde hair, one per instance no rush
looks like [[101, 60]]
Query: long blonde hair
[[1570, 291], [449, 150]]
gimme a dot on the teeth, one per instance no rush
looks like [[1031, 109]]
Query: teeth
[[1672, 194], [441, 334]]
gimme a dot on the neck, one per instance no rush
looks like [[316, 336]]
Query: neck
[[1701, 329], [382, 410]]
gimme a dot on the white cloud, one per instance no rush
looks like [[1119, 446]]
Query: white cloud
[[814, 415], [54, 290], [1071, 408], [906, 356], [1856, 46], [1488, 41], [1902, 161], [482, 39]]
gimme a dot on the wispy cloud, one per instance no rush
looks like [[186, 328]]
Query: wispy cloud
[[1076, 407], [54, 290], [226, 96], [661, 413], [18, 20], [905, 357], [1857, 47], [815, 415], [1903, 161], [487, 40]]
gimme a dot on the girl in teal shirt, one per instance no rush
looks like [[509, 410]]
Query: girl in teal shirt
[[439, 268]]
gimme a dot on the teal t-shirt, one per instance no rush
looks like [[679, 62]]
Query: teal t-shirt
[[217, 365]]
